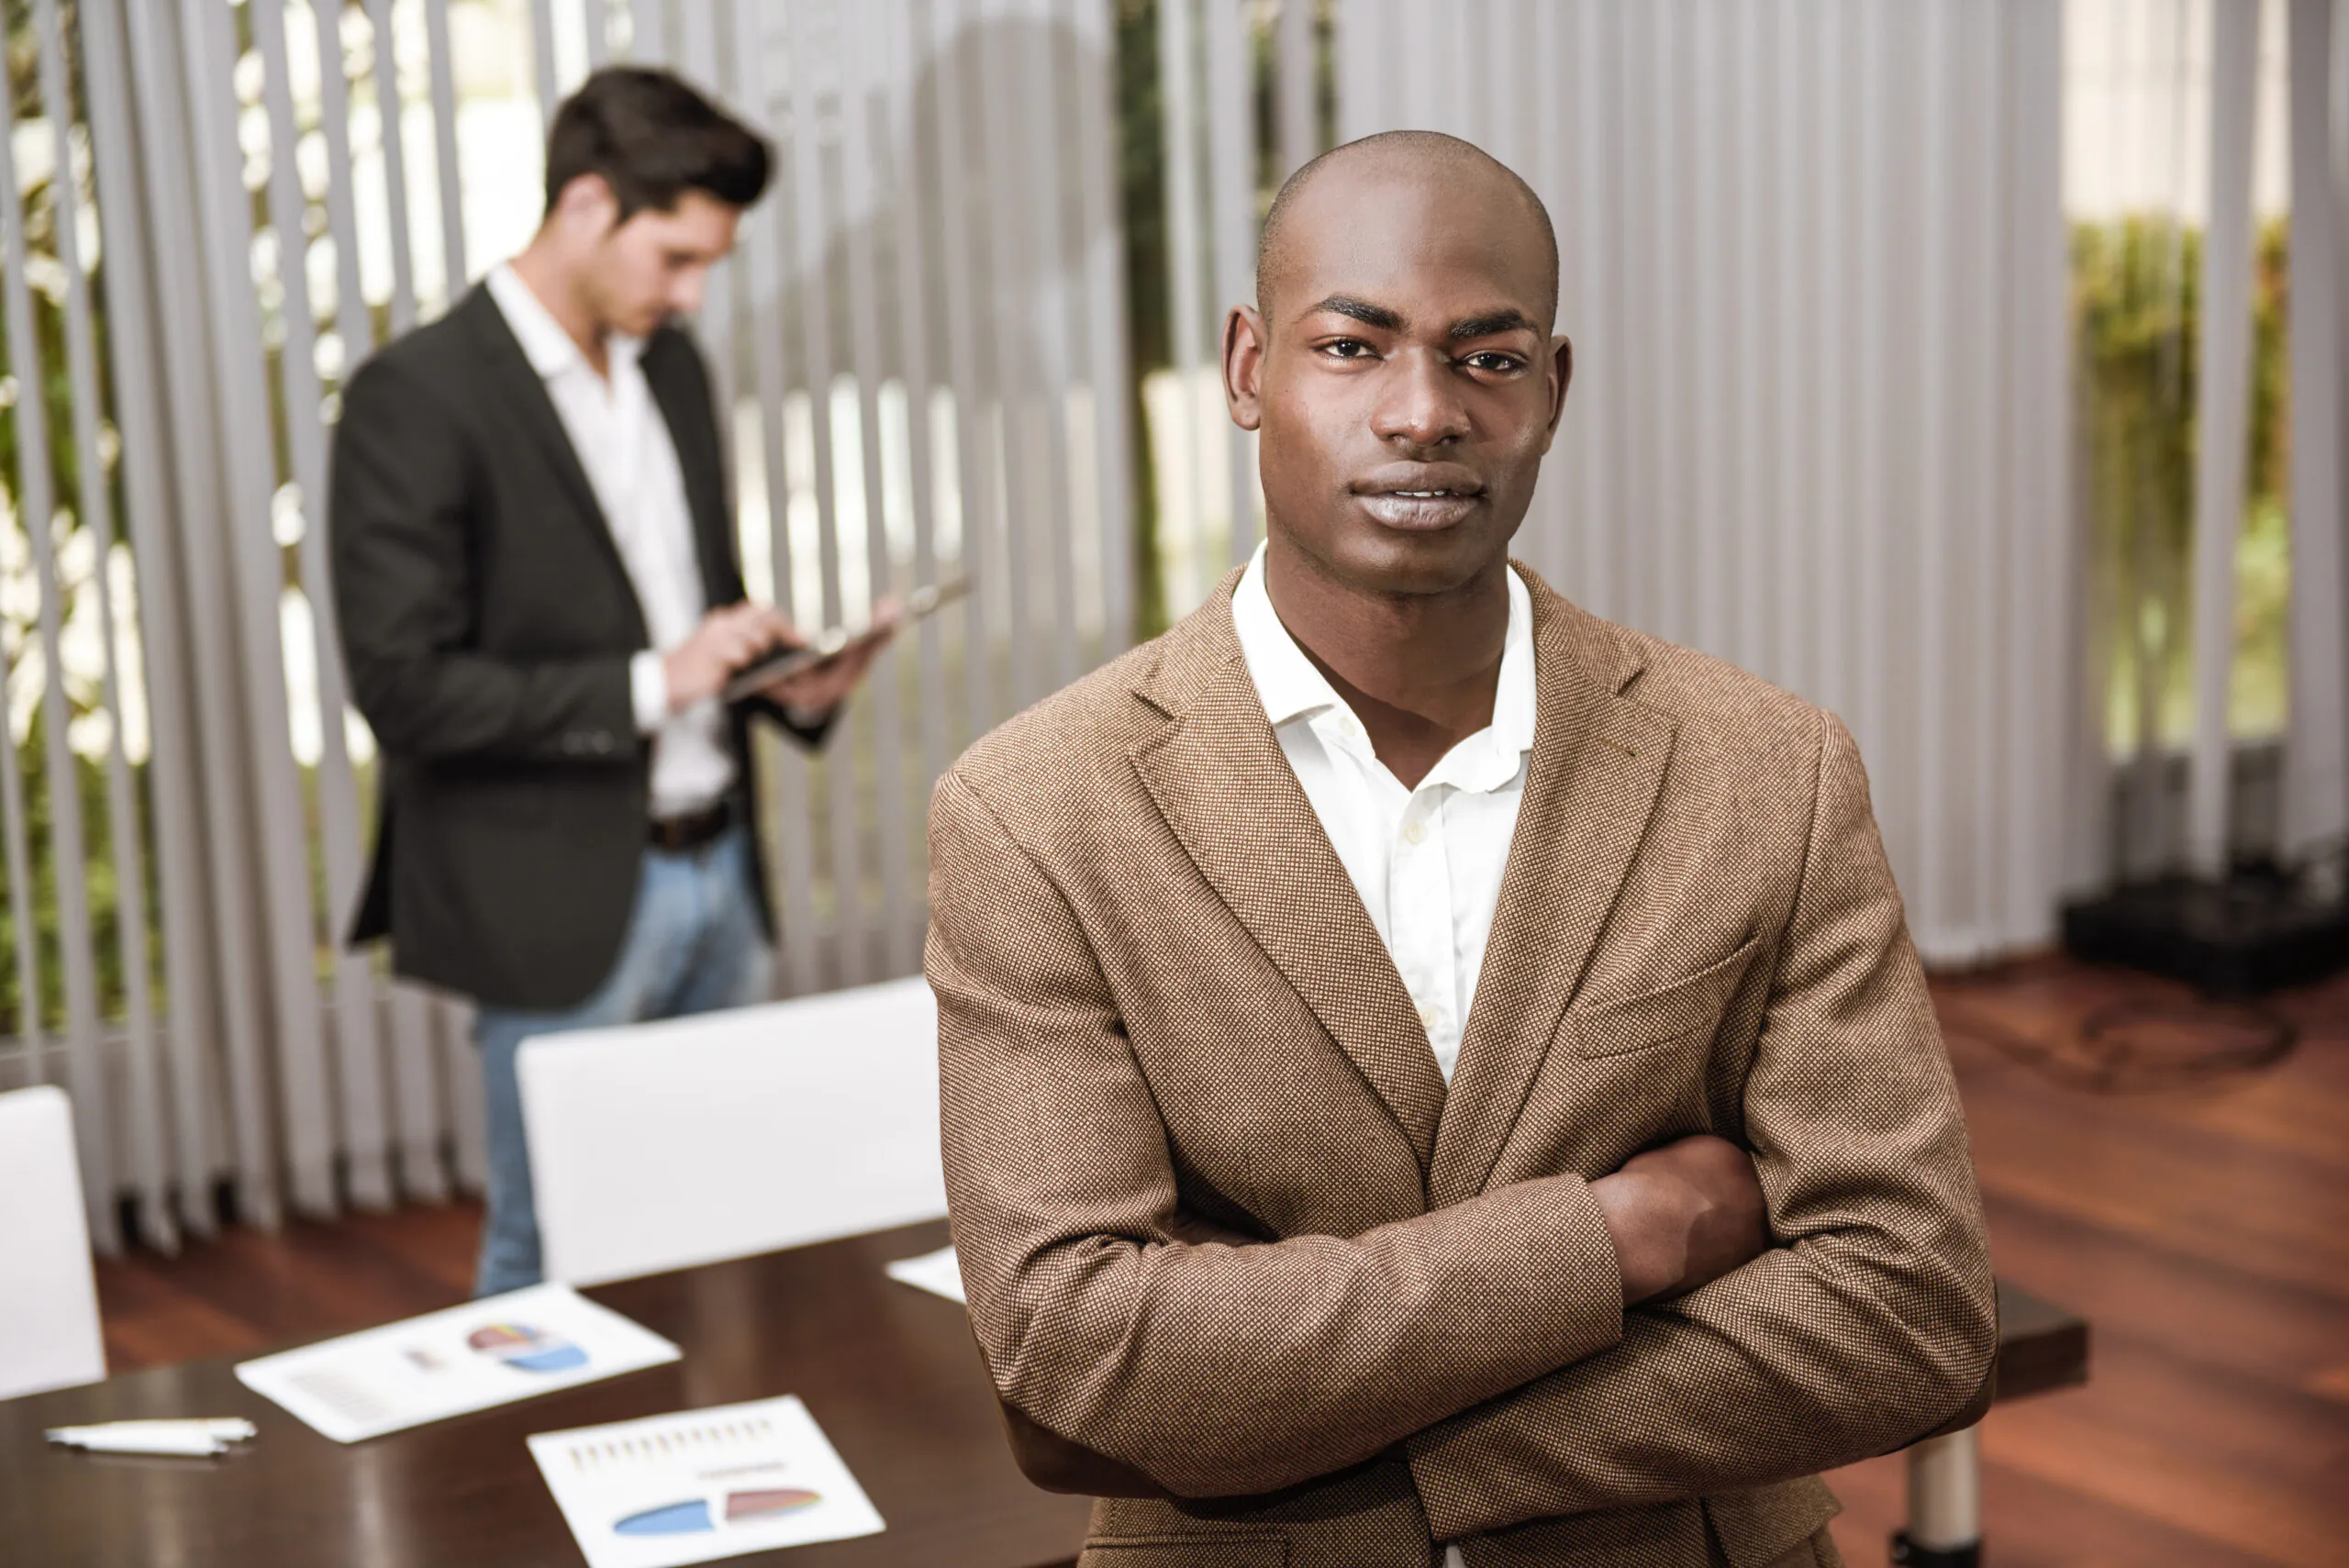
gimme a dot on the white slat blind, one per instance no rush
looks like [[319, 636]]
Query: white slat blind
[[2316, 779], [922, 345]]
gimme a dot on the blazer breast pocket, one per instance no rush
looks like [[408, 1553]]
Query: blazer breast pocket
[[1688, 1006]]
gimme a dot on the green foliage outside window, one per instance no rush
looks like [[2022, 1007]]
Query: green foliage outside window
[[77, 564], [98, 881], [2135, 296]]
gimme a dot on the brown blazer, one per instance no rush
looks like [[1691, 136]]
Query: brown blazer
[[1164, 1016]]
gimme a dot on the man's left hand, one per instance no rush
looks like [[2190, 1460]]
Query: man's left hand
[[819, 687]]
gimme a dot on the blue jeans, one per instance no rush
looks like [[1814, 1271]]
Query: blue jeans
[[694, 945]]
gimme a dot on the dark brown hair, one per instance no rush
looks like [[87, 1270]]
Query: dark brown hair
[[653, 138]]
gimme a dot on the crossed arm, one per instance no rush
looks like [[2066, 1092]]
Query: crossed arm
[[1870, 1323], [1490, 1337]]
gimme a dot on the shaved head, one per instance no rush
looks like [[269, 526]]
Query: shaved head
[[1378, 161]]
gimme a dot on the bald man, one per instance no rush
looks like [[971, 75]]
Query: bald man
[[1429, 1074]]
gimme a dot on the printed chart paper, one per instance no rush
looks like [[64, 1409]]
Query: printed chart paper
[[702, 1485], [487, 1353], [937, 1272]]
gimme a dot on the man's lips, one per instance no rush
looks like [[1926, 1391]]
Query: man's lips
[[1420, 495]]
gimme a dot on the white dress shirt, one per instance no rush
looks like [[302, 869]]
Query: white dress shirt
[[1427, 862], [624, 446]]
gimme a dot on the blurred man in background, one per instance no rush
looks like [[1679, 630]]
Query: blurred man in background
[[541, 603]]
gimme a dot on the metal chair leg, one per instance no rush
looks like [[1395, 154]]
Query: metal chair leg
[[1945, 1504]]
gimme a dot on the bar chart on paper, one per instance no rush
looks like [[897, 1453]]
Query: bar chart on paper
[[702, 1485]]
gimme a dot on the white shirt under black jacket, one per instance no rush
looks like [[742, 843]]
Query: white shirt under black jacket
[[1427, 862], [624, 447]]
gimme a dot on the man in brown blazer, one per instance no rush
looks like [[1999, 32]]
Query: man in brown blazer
[[1427, 1073]]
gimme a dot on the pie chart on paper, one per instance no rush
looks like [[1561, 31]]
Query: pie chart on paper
[[694, 1517], [701, 1485], [525, 1349], [748, 1506]]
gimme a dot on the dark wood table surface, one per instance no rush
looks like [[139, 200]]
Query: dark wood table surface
[[2042, 1346], [890, 1372]]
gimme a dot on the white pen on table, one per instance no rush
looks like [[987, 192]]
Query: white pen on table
[[194, 1438]]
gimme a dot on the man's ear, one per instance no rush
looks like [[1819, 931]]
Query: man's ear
[[1562, 374], [1243, 366], [588, 204]]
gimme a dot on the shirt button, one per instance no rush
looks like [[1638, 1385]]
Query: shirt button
[[1413, 832], [1427, 1018]]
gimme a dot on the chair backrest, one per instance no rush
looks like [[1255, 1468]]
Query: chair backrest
[[49, 1298], [659, 1146]]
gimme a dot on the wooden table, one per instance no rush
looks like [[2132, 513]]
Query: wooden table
[[889, 1372], [2042, 1346]]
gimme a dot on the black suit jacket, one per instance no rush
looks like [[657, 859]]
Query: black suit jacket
[[487, 624]]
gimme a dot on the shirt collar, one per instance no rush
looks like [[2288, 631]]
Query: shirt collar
[[1286, 681], [545, 344], [1292, 687], [1516, 698]]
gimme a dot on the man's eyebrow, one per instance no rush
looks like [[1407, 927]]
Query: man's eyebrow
[[1492, 324], [1369, 315]]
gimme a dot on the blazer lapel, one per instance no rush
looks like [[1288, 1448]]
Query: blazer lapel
[[1598, 760], [524, 395], [1219, 778], [693, 431]]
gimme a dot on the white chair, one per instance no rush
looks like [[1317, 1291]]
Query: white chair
[[49, 1298], [660, 1146]]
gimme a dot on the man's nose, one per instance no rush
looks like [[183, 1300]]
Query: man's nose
[[684, 294], [1421, 405]]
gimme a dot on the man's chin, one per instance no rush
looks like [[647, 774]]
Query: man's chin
[[1416, 561]]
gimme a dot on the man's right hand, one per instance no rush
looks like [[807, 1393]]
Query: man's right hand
[[728, 638], [1683, 1213]]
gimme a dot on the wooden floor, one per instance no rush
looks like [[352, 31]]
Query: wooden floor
[[2204, 1233], [2203, 1230]]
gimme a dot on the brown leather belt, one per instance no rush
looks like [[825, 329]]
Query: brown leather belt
[[676, 834]]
